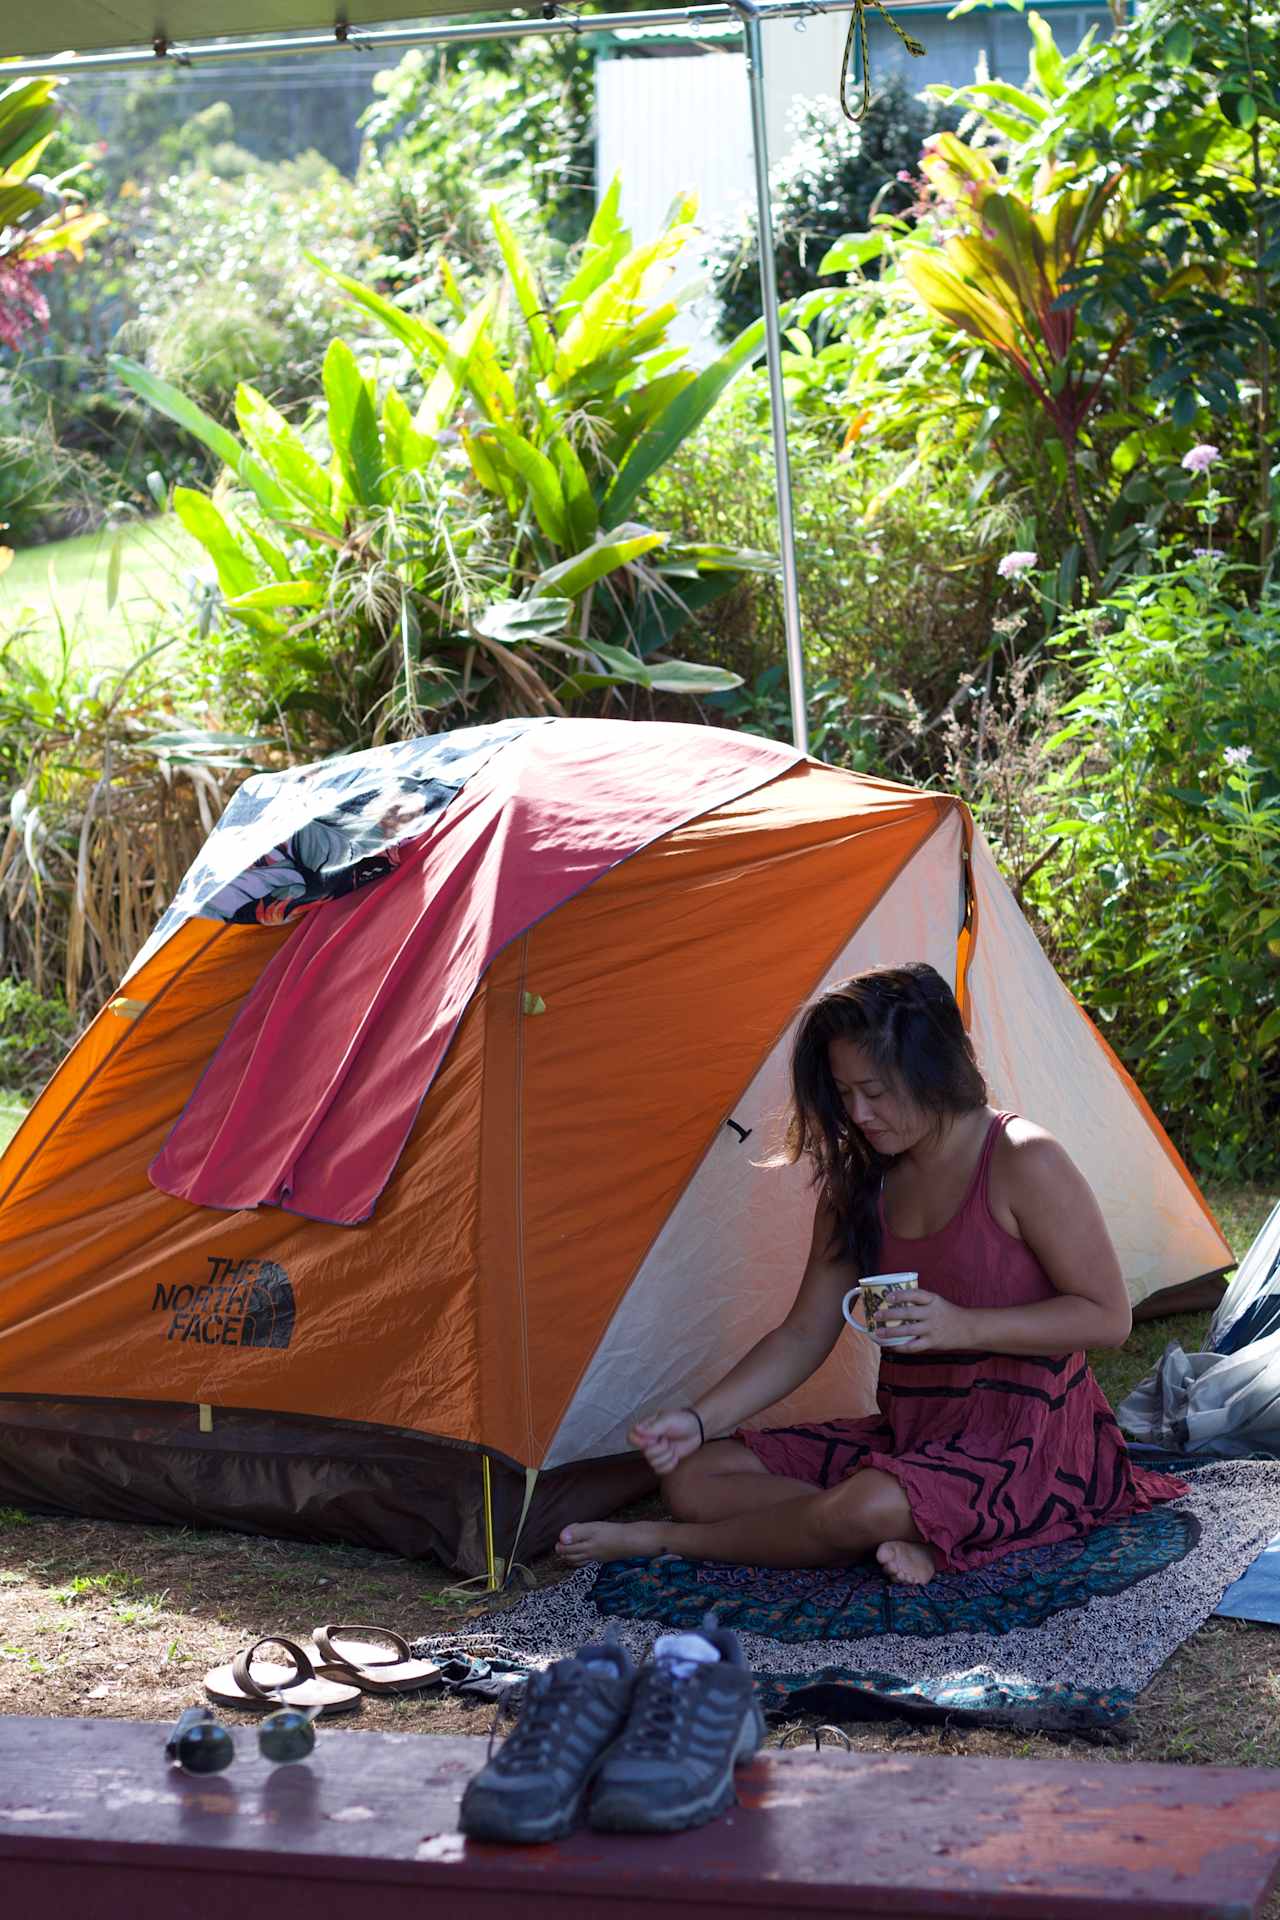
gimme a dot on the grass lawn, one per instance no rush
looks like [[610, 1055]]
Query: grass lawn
[[123, 1621], [68, 582], [11, 1112]]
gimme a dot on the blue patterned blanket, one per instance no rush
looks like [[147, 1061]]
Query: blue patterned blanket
[[1053, 1638]]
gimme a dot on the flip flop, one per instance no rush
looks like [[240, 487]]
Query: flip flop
[[259, 1689], [370, 1666]]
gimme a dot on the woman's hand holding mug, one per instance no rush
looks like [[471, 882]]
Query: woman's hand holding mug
[[880, 1293], [665, 1439], [900, 1313]]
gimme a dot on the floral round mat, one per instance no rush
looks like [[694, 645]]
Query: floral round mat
[[1021, 1589]]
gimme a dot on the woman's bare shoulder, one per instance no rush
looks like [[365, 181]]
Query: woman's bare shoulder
[[1030, 1162]]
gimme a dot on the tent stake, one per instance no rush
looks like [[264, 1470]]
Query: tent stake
[[491, 1564]]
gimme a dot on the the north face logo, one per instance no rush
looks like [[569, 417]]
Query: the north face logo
[[243, 1303]]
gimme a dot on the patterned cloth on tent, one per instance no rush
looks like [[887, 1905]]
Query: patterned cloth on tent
[[289, 840], [1058, 1637]]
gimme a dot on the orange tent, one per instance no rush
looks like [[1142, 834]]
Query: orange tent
[[577, 1222]]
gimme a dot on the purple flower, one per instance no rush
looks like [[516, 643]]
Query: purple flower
[[1199, 459], [1015, 564]]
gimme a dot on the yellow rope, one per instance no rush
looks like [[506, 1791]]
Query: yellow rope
[[858, 25]]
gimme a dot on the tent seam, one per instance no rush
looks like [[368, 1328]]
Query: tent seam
[[518, 1156]]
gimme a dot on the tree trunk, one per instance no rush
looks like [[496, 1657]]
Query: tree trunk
[[1081, 517]]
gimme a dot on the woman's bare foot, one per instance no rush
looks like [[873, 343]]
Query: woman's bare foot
[[609, 1540], [906, 1563]]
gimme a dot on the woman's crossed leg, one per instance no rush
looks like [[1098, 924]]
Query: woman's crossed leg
[[727, 1506]]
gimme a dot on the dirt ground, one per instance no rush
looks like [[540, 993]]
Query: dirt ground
[[123, 1622]]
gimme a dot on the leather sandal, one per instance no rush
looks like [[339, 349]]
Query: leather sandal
[[258, 1686], [383, 1665]]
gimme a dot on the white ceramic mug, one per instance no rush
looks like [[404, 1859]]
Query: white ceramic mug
[[874, 1291]]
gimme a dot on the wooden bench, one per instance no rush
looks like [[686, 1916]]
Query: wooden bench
[[95, 1826]]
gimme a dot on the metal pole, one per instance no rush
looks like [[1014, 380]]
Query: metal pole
[[752, 12], [378, 39]]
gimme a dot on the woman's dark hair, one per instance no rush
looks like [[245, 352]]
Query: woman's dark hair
[[906, 1019]]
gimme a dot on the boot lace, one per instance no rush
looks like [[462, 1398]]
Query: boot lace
[[537, 1734], [658, 1714]]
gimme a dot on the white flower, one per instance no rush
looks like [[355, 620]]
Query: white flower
[[1237, 756], [1199, 459], [1015, 564]]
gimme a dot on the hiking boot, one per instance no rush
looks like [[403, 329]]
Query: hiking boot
[[534, 1785], [691, 1722]]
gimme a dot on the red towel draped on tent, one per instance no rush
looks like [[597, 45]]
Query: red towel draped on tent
[[310, 1098]]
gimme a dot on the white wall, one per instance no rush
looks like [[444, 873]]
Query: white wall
[[667, 126]]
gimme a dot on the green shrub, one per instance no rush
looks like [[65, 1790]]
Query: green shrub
[[210, 342], [46, 489], [1162, 886], [35, 1031], [217, 283], [896, 575]]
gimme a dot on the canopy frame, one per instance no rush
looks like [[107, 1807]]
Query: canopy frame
[[749, 14]]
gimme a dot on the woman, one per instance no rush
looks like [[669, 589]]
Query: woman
[[992, 1432]]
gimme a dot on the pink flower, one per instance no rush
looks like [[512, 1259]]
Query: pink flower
[[1015, 564], [22, 306], [1200, 459]]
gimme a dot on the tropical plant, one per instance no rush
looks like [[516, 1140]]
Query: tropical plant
[[478, 548], [40, 217], [989, 326], [1182, 105], [1001, 275], [1187, 102], [1159, 880]]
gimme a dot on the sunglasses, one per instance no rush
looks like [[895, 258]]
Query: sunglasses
[[200, 1743]]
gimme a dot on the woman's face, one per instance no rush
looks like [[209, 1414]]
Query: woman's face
[[878, 1105]]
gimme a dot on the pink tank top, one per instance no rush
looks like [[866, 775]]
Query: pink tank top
[[972, 1260]]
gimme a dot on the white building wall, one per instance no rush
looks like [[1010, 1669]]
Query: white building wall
[[668, 127]]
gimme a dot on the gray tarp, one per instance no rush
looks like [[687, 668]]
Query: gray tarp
[[1225, 1400]]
